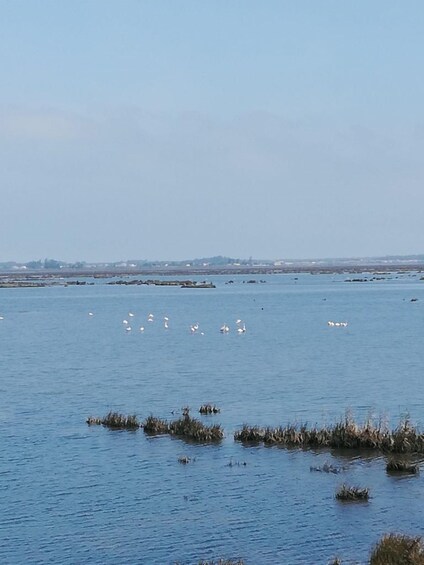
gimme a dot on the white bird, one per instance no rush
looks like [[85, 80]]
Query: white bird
[[330, 323], [90, 314], [224, 329], [238, 321], [130, 314], [166, 325], [166, 319], [1, 318], [142, 329], [242, 330], [150, 318], [128, 328], [193, 329], [125, 322]]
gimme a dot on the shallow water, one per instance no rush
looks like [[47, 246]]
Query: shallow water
[[77, 494]]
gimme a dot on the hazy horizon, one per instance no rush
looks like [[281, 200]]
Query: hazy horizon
[[238, 259], [161, 129]]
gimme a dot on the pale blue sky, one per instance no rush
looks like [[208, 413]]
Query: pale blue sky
[[169, 130]]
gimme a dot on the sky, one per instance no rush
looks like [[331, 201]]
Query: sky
[[175, 129]]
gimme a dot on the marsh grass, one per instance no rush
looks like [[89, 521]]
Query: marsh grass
[[185, 427], [92, 421], [397, 549], [250, 434], [190, 428], [346, 434], [347, 493], [155, 426], [402, 466], [209, 409], [116, 421]]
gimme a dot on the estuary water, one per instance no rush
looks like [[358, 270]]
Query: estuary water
[[71, 493]]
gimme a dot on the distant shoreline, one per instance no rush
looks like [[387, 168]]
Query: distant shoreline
[[47, 275]]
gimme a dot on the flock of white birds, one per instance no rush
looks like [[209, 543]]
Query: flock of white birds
[[193, 328]]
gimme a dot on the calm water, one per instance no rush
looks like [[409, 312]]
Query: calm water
[[77, 494]]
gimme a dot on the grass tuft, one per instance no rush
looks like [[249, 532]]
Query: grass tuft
[[116, 421], [250, 434], [397, 549], [209, 409], [402, 466], [185, 427], [190, 428], [92, 421], [347, 493], [152, 425]]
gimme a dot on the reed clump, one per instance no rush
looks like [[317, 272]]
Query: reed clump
[[250, 434], [120, 421], [153, 425], [185, 427], [347, 493], [346, 434], [398, 549], [190, 428], [93, 421], [402, 466], [209, 409], [406, 438], [115, 421]]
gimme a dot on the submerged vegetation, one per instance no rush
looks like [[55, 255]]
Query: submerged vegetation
[[116, 421], [402, 466], [346, 434], [398, 549], [347, 493], [222, 562], [327, 468]]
